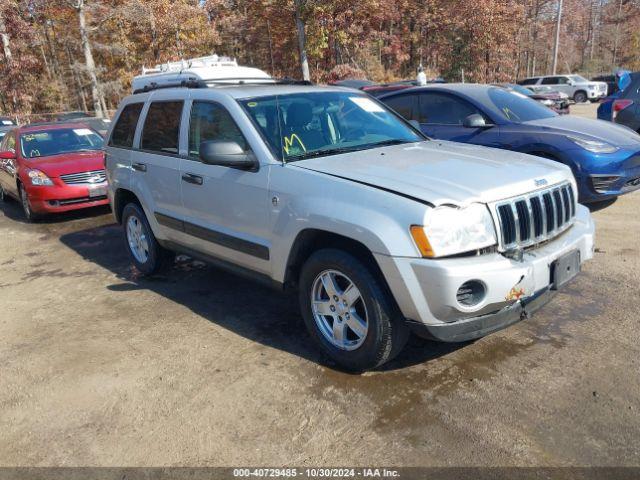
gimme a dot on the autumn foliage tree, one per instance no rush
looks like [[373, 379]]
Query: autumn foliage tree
[[60, 55]]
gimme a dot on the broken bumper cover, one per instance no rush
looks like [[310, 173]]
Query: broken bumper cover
[[427, 290], [476, 327]]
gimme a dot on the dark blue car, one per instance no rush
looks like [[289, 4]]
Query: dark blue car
[[604, 157]]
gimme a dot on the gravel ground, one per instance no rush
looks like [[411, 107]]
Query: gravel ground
[[198, 367]]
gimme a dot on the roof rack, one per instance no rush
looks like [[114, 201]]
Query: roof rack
[[200, 72]]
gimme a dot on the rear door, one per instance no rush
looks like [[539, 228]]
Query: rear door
[[225, 210], [441, 115], [155, 163]]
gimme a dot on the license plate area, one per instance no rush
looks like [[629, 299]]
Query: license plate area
[[97, 191], [564, 269]]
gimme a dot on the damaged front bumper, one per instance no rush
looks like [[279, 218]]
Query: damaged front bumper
[[476, 327], [428, 291]]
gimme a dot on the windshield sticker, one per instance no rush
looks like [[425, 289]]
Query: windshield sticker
[[82, 131], [367, 104], [289, 143], [252, 104]]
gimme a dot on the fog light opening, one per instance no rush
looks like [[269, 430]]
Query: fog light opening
[[471, 293]]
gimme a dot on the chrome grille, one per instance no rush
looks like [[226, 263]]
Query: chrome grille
[[92, 177], [537, 217]]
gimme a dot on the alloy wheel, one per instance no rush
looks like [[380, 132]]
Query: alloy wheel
[[339, 310], [137, 239]]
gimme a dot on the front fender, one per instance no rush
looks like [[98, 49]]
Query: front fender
[[380, 220]]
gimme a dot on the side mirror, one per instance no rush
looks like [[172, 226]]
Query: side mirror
[[8, 155], [415, 124], [475, 121], [227, 154]]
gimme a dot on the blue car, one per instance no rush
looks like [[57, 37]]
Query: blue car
[[605, 109], [604, 157]]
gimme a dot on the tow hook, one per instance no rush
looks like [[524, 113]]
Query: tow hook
[[523, 314]]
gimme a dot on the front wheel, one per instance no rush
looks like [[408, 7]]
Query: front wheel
[[29, 215], [144, 250], [580, 97], [349, 312]]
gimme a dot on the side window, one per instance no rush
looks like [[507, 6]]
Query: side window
[[442, 109], [161, 129], [529, 81], [210, 121], [403, 104], [563, 80], [125, 127], [550, 81]]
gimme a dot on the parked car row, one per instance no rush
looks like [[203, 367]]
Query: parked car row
[[386, 215]]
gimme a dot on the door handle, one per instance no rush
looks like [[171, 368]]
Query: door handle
[[141, 167], [194, 179]]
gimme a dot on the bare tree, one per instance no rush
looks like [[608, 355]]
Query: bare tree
[[79, 6], [302, 40]]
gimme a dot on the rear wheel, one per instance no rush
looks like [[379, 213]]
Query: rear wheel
[[26, 205], [144, 250], [349, 312], [580, 97]]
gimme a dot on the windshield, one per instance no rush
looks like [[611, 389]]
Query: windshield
[[518, 108], [59, 141], [305, 125], [578, 78]]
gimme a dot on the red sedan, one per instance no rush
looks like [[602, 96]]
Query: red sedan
[[53, 168]]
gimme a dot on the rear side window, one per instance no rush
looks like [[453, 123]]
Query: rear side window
[[125, 127], [210, 121], [403, 104], [529, 81], [161, 130]]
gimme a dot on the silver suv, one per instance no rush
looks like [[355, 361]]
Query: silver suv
[[575, 86], [326, 191]]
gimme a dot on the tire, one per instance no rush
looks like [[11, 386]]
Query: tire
[[29, 215], [580, 97], [373, 342], [145, 252]]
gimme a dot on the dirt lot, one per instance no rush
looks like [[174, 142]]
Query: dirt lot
[[198, 367]]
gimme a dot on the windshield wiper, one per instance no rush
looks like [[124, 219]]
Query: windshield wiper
[[336, 151]]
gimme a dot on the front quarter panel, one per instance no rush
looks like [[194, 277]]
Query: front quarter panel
[[303, 199]]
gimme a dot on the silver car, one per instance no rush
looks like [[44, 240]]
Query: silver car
[[326, 191], [575, 86]]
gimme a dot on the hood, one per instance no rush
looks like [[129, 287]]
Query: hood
[[439, 172], [606, 131], [63, 164]]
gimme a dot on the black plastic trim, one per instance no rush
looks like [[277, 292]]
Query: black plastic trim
[[219, 238]]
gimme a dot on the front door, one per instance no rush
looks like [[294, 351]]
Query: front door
[[225, 210]]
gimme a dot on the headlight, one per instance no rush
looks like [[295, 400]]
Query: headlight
[[450, 230], [595, 146], [39, 178], [548, 102]]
